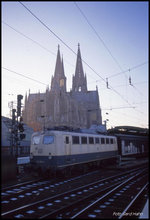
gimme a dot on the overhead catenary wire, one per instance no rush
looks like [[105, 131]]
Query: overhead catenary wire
[[126, 115], [60, 39], [122, 107], [127, 70], [24, 76], [71, 50], [29, 38], [47, 85], [137, 66], [99, 37], [93, 74]]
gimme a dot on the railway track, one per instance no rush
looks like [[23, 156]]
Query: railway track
[[19, 194], [74, 198], [18, 185], [118, 202]]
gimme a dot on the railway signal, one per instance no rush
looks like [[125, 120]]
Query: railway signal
[[21, 130], [17, 126], [22, 136], [20, 127], [19, 98]]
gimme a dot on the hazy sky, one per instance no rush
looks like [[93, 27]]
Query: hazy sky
[[113, 39]]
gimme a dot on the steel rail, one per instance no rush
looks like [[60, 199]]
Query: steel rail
[[130, 204], [70, 191], [61, 194], [20, 184], [54, 212], [96, 201]]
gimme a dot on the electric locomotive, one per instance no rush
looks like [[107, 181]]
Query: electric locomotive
[[54, 150]]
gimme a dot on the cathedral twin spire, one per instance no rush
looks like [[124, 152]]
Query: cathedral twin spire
[[59, 80], [79, 82]]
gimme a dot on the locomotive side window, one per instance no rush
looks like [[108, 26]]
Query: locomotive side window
[[97, 140], [75, 139], [36, 140], [91, 140], [83, 140], [107, 140], [102, 140], [111, 140], [48, 139]]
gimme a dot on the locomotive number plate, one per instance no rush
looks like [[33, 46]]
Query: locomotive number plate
[[40, 150]]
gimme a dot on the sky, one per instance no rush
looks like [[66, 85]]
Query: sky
[[113, 38]]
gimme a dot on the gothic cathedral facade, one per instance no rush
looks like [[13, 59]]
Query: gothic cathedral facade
[[78, 108]]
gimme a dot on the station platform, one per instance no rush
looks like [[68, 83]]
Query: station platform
[[145, 211], [128, 163]]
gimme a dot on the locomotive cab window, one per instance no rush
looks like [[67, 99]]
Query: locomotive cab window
[[36, 140], [75, 139], [48, 139]]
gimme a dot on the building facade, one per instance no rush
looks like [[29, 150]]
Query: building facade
[[78, 108]]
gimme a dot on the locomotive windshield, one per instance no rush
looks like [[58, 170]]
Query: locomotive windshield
[[48, 139], [36, 140]]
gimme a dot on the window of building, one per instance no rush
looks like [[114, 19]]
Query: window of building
[[36, 140], [102, 140], [97, 140], [48, 139], [79, 89], [107, 140], [83, 140], [91, 140], [75, 139], [61, 83]]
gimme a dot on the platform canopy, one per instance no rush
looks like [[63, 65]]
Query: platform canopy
[[129, 130]]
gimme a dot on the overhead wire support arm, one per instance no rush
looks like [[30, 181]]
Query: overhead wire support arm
[[107, 83], [130, 79], [134, 67]]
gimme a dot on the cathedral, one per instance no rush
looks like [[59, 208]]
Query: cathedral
[[78, 108]]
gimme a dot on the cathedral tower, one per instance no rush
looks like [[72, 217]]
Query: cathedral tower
[[58, 82], [79, 80], [56, 107]]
